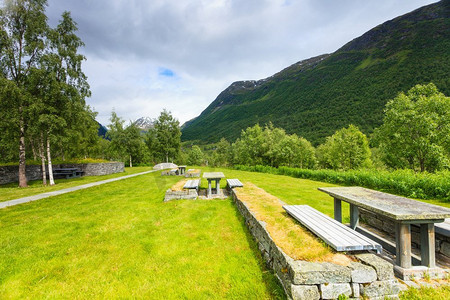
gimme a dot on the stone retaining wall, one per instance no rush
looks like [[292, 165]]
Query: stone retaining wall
[[11, 173], [370, 277], [388, 226]]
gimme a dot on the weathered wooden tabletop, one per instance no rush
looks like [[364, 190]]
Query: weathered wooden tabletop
[[391, 206], [213, 175]]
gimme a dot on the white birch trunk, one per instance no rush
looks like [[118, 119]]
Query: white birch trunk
[[131, 165], [42, 155], [49, 160]]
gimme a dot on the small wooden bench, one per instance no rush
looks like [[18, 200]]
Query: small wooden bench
[[443, 228], [334, 233], [232, 183], [192, 184], [67, 173]]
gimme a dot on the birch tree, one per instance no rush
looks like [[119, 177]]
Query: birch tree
[[23, 25]]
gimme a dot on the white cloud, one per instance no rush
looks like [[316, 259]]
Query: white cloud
[[207, 44]]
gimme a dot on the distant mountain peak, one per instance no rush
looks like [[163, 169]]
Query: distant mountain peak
[[144, 123]]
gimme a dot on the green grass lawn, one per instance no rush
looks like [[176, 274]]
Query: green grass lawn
[[120, 240], [12, 191]]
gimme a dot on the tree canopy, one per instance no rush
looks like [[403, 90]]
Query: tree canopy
[[416, 130]]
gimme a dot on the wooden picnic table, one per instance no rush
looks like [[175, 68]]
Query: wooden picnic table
[[402, 211], [67, 172], [210, 176], [181, 170]]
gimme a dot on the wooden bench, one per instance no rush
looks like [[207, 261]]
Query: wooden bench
[[192, 184], [443, 228], [334, 233], [232, 183], [67, 173]]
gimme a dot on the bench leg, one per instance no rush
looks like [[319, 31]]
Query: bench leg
[[403, 245], [354, 216], [337, 210], [427, 245]]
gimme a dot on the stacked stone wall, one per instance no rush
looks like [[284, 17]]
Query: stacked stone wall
[[388, 226], [10, 174], [370, 276]]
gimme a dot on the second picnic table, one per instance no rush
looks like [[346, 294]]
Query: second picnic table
[[210, 176], [402, 211]]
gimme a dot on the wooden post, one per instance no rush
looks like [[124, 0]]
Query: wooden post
[[209, 189], [403, 245], [427, 245], [354, 216], [337, 210], [218, 186]]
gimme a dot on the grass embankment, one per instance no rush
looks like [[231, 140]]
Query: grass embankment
[[119, 240], [11, 191]]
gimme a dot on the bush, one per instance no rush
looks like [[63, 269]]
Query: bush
[[402, 182]]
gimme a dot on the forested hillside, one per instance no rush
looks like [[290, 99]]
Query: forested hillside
[[315, 97]]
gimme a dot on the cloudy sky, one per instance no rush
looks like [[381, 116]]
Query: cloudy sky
[[146, 55]]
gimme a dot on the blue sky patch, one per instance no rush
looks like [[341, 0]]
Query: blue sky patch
[[166, 72]]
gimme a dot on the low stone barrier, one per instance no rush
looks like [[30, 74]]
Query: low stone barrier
[[10, 174], [190, 194], [370, 276], [442, 242]]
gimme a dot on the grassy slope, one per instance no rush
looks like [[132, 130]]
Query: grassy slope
[[350, 86], [120, 240]]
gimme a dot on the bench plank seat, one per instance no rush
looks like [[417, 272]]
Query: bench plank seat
[[443, 228], [337, 235], [192, 184], [232, 183]]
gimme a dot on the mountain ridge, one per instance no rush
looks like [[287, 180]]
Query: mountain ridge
[[317, 96]]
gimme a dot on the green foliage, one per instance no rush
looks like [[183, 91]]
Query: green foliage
[[126, 144], [164, 139], [351, 86], [347, 149], [271, 146], [401, 182], [195, 156], [416, 130]]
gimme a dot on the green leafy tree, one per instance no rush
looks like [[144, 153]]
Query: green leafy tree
[[347, 149], [416, 130], [223, 154], [195, 156], [296, 152], [23, 28], [164, 139]]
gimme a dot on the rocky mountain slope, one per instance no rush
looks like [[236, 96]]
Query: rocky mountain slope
[[317, 96]]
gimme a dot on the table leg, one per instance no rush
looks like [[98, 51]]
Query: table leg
[[427, 245], [208, 195], [218, 186], [403, 245], [337, 210], [354, 216]]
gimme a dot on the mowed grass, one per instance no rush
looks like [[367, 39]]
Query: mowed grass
[[119, 240], [12, 191]]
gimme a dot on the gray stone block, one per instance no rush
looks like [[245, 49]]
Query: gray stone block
[[303, 272], [445, 248], [380, 288], [355, 290], [333, 290], [305, 292], [362, 273], [385, 270]]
